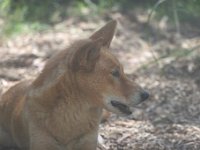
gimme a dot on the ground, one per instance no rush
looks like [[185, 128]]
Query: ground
[[170, 119]]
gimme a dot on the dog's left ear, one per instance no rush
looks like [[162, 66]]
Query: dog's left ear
[[106, 32], [86, 56]]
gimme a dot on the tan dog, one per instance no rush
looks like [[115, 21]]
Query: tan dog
[[61, 109]]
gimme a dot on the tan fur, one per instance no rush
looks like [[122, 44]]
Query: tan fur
[[61, 109]]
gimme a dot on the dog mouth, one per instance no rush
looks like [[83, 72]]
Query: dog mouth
[[122, 107]]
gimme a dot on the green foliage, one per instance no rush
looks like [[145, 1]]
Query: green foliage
[[32, 10], [22, 15], [91, 9], [30, 15], [14, 28], [187, 10]]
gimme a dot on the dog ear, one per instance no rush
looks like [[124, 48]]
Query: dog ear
[[106, 32], [86, 56]]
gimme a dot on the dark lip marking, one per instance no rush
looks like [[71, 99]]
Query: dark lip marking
[[122, 107]]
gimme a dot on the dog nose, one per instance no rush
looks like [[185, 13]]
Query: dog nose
[[144, 95]]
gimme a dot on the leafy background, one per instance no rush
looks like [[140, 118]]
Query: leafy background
[[156, 40]]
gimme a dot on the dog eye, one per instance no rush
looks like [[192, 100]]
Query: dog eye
[[116, 73]]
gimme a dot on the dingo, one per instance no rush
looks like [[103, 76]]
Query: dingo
[[61, 109]]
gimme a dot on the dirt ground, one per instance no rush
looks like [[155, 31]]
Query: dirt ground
[[170, 120]]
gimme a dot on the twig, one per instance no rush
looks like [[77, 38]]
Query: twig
[[154, 8], [176, 18], [148, 22]]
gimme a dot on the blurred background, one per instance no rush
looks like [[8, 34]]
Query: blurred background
[[157, 41]]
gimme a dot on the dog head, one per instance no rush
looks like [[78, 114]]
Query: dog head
[[100, 75]]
